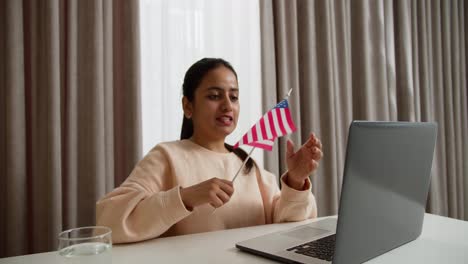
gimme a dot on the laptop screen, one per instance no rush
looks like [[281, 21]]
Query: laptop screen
[[385, 186]]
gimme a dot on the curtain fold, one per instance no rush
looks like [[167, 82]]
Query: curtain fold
[[268, 76], [13, 132], [70, 105], [370, 60]]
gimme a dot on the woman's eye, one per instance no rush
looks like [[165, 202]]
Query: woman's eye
[[234, 98], [213, 96]]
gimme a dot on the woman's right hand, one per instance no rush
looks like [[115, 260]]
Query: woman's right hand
[[213, 191]]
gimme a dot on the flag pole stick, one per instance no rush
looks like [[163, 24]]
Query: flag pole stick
[[243, 164], [289, 93]]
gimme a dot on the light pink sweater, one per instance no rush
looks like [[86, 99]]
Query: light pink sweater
[[148, 203]]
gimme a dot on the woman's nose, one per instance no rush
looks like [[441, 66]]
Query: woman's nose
[[227, 104]]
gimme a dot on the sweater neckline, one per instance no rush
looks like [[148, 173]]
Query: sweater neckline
[[207, 150]]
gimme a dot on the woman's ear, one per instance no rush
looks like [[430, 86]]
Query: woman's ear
[[187, 106]]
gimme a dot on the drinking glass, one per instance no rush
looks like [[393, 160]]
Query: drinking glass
[[91, 244]]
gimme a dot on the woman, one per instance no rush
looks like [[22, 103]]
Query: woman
[[173, 189]]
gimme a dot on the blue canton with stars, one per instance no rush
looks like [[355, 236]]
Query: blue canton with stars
[[282, 104]]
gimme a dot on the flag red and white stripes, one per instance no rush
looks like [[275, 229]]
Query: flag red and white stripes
[[275, 123]]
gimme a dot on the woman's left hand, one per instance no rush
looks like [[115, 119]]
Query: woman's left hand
[[303, 162]]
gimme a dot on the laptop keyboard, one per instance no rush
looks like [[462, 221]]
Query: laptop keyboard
[[323, 248]]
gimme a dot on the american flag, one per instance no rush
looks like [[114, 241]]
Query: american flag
[[275, 123]]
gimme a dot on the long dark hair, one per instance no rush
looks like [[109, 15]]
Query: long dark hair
[[192, 80]]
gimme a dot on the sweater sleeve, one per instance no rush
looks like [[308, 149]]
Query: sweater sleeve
[[287, 204], [145, 205]]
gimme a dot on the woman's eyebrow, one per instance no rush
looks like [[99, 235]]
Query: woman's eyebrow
[[233, 89]]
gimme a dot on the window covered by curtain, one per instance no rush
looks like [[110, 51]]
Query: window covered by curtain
[[175, 34]]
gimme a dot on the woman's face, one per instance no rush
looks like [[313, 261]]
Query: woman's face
[[215, 108]]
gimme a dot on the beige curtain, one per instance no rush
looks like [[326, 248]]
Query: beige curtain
[[371, 60], [69, 97]]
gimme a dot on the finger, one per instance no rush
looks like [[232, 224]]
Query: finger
[[215, 201], [311, 141], [319, 144], [228, 182], [310, 151], [313, 165], [224, 181], [226, 186], [223, 197], [316, 141], [289, 148], [317, 154]]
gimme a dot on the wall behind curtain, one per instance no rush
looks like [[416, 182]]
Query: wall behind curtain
[[175, 34], [371, 60]]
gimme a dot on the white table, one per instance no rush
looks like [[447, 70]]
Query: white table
[[443, 240]]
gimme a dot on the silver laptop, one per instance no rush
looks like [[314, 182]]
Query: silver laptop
[[385, 186]]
